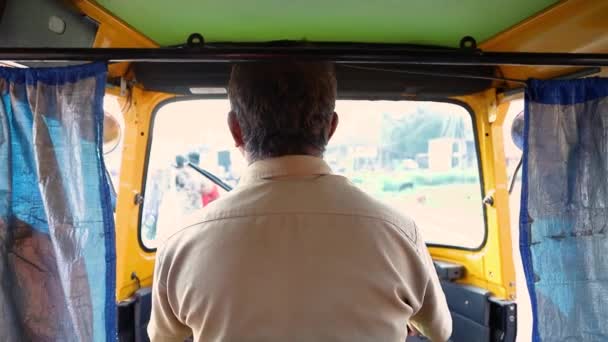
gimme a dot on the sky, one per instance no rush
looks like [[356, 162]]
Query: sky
[[194, 122]]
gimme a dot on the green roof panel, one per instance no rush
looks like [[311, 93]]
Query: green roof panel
[[428, 22]]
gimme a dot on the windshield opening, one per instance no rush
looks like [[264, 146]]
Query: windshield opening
[[418, 157]]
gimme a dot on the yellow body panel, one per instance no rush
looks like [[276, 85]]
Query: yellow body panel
[[492, 266], [130, 257]]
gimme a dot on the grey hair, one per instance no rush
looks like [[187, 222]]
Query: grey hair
[[283, 108]]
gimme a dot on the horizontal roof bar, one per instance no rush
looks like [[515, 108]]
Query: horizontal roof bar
[[359, 55]]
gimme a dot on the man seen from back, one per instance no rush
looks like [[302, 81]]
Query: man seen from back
[[294, 252]]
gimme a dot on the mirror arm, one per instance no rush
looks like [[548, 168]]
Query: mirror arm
[[515, 172], [210, 176]]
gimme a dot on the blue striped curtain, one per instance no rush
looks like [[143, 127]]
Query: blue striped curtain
[[564, 209], [57, 254]]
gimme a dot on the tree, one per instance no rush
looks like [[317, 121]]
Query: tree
[[405, 136]]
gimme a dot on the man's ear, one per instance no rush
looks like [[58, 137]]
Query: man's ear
[[235, 130], [333, 125]]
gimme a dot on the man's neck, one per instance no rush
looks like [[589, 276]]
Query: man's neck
[[251, 160]]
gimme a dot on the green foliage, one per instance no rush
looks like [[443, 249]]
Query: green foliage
[[410, 180], [408, 135]]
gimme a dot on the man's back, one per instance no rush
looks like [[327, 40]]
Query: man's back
[[296, 254]]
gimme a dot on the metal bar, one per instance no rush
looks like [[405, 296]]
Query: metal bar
[[438, 74], [363, 55], [11, 64], [570, 76], [579, 74]]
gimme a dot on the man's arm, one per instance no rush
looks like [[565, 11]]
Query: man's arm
[[164, 324], [433, 320]]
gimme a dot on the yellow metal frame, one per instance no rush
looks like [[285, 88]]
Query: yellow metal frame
[[131, 260], [490, 267]]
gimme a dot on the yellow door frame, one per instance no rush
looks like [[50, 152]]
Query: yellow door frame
[[491, 267], [134, 265]]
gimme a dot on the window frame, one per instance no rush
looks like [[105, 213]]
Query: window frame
[[462, 104]]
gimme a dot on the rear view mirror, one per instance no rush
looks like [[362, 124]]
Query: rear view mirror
[[517, 134], [517, 130], [112, 133]]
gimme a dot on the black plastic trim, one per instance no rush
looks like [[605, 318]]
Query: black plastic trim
[[354, 81], [448, 271], [468, 301], [503, 318], [134, 315], [468, 330]]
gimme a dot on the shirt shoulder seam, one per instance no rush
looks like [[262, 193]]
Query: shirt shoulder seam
[[412, 240]]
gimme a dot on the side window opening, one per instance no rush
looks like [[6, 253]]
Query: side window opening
[[513, 156]]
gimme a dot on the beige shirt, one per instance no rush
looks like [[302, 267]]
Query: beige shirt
[[295, 253]]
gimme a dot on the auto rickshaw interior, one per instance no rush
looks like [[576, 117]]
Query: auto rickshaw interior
[[432, 139], [378, 105]]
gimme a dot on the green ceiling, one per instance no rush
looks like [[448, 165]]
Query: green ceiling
[[432, 22]]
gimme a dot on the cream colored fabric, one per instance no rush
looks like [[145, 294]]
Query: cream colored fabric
[[295, 253]]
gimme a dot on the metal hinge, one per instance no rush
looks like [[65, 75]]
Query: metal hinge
[[139, 199]]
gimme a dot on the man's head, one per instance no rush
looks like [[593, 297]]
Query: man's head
[[282, 109]]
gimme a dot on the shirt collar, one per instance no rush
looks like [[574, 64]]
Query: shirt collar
[[287, 166]]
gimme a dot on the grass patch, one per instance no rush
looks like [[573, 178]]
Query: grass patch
[[404, 181]]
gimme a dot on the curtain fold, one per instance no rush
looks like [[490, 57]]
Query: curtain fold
[[564, 209], [57, 254]]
